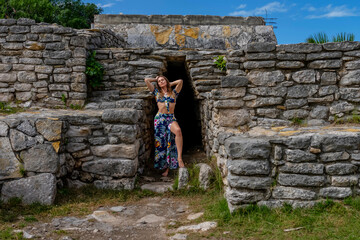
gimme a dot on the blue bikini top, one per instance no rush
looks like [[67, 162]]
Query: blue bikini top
[[166, 99]]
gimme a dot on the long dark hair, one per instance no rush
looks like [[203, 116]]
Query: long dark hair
[[167, 86]]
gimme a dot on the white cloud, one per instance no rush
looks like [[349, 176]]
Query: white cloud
[[268, 8], [105, 5], [241, 6], [309, 8], [331, 11]]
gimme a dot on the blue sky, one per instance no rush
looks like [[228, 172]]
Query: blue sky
[[296, 20]]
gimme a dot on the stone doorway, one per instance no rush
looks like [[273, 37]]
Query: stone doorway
[[187, 109]]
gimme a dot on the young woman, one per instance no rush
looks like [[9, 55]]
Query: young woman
[[168, 149]]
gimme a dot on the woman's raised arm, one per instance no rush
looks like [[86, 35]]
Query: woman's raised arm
[[149, 81], [178, 83]]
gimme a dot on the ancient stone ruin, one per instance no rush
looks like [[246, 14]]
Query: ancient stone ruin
[[244, 116]]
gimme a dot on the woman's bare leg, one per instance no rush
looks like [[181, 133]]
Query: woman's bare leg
[[175, 128]]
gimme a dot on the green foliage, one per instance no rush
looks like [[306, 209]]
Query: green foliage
[[76, 107], [30, 219], [319, 38], [63, 99], [94, 71], [74, 13], [68, 13], [342, 37], [220, 62], [22, 171], [297, 121], [8, 234], [322, 37]]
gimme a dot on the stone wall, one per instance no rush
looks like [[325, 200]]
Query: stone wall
[[186, 32], [54, 148], [41, 62], [299, 170]]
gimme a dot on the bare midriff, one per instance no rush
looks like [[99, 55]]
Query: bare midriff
[[162, 108]]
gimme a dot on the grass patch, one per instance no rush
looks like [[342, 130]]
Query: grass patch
[[8, 234], [5, 108]]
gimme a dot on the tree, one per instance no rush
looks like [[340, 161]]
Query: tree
[[39, 10], [69, 13], [74, 13]]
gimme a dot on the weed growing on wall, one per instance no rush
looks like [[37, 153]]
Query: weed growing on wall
[[94, 71], [220, 62], [322, 37]]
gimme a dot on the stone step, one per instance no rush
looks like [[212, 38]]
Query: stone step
[[158, 187]]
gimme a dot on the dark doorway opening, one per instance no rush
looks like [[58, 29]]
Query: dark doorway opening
[[187, 110]]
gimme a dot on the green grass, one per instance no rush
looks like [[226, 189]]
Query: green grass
[[7, 234], [5, 108]]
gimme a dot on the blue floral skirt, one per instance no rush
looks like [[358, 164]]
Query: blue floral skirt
[[165, 147]]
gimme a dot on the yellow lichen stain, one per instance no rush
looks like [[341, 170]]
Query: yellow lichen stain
[[226, 31], [56, 146], [180, 39], [351, 130], [202, 35], [178, 28], [192, 32], [281, 107], [35, 46], [278, 128], [50, 118], [288, 133], [161, 36], [227, 44]]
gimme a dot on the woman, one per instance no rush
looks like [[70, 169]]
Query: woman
[[168, 150]]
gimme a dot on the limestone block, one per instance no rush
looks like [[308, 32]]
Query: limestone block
[[40, 158], [236, 197], [341, 107], [351, 78], [78, 131], [344, 181], [298, 180], [299, 156], [9, 165], [299, 48], [290, 64], [320, 64], [328, 78], [335, 192], [129, 116], [304, 76], [233, 118], [116, 184], [26, 77], [111, 167], [228, 93], [234, 81], [183, 178], [249, 167], [296, 113], [259, 64], [27, 127], [302, 91], [269, 79], [249, 182], [264, 101], [334, 156], [125, 133], [78, 41], [293, 193], [290, 56], [116, 150], [268, 91], [20, 141], [8, 77], [260, 56], [50, 129], [75, 147], [23, 96], [4, 129], [350, 94], [228, 104], [295, 103], [341, 46], [303, 168], [323, 55], [340, 169], [260, 47], [205, 175], [39, 188], [146, 63], [247, 148]]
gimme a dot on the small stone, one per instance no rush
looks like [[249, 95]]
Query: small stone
[[179, 236], [158, 187], [118, 209], [315, 150], [183, 178], [201, 227], [151, 218], [195, 216]]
